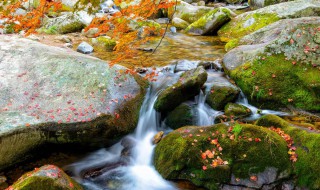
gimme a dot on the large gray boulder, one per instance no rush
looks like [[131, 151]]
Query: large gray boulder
[[278, 65], [55, 95]]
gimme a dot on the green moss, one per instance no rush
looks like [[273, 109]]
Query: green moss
[[180, 116], [50, 30], [231, 44], [270, 82], [192, 17], [220, 15], [76, 26], [178, 155], [105, 43], [236, 29], [221, 95], [307, 167], [236, 110]]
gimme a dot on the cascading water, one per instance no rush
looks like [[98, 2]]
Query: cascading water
[[256, 113], [128, 164], [137, 173]]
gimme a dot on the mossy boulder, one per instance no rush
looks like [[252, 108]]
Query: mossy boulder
[[61, 97], [187, 87], [105, 43], [275, 68], [188, 12], [249, 22], [307, 166], [220, 91], [66, 23], [180, 116], [212, 156], [236, 110], [179, 23], [48, 177], [210, 22]]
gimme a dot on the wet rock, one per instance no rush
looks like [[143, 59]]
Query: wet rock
[[210, 22], [179, 23], [185, 65], [59, 96], [47, 177], [105, 43], [157, 138], [187, 87], [252, 159], [85, 48], [220, 91], [181, 116], [237, 110], [141, 70], [68, 45], [249, 22], [272, 65]]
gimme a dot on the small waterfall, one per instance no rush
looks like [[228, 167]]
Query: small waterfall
[[256, 113], [206, 115], [138, 173]]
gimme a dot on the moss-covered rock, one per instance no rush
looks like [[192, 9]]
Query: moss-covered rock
[[180, 116], [179, 23], [48, 177], [187, 87], [191, 153], [249, 22], [105, 43], [210, 22], [188, 12], [221, 93], [67, 23], [307, 145], [275, 69], [236, 110]]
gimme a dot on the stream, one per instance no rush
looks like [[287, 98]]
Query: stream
[[128, 164]]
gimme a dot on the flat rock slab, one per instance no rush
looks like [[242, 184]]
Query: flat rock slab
[[54, 88]]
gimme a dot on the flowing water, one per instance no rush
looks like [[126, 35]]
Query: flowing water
[[128, 164]]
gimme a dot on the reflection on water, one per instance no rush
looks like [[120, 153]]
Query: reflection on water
[[174, 47]]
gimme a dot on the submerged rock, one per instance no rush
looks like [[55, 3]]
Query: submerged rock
[[48, 177], [56, 95], [274, 66], [210, 22], [219, 155], [187, 87], [85, 48]]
